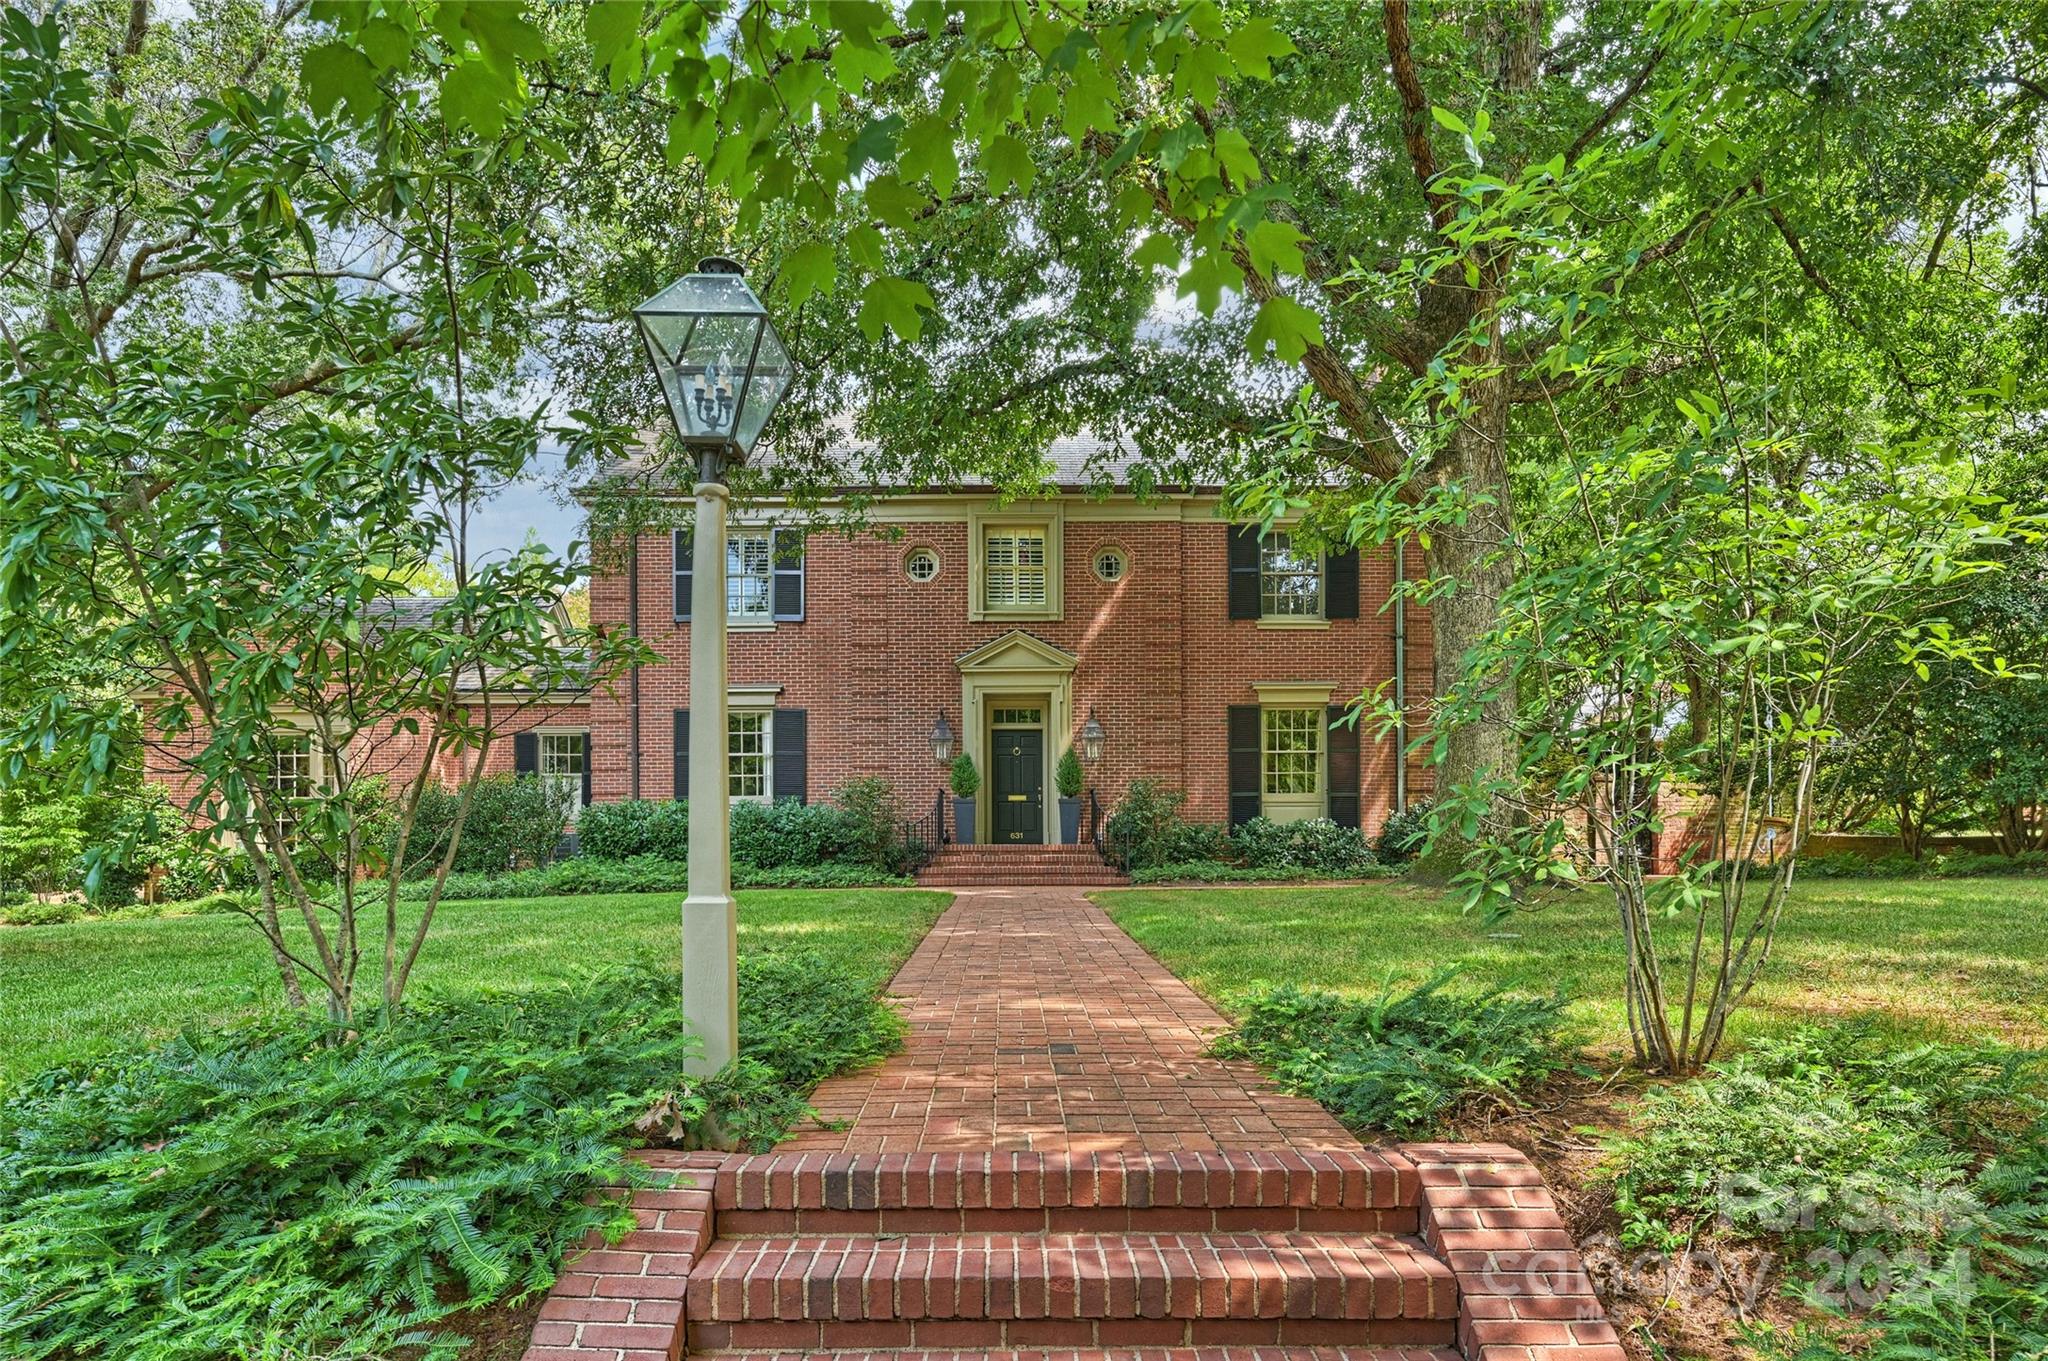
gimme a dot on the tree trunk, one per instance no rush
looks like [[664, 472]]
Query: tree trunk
[[1474, 555]]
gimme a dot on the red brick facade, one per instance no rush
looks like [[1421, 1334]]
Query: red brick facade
[[875, 658]]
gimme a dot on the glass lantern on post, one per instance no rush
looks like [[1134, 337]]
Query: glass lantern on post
[[723, 369]]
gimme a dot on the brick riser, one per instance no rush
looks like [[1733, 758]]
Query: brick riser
[[998, 1252], [1009, 866], [1067, 1219]]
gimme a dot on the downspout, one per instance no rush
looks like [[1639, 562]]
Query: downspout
[[633, 675], [1400, 676]]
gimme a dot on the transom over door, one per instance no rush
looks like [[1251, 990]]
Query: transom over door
[[1017, 785]]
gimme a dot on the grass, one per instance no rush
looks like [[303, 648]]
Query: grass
[[67, 992], [1922, 959]]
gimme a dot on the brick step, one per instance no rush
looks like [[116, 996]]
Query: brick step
[[1132, 1354], [945, 878], [1336, 1179], [1069, 1290]]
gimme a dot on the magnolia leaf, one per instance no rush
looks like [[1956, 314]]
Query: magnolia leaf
[[895, 304], [1287, 326]]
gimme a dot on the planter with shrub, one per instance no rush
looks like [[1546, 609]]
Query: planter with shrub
[[965, 781], [1067, 778]]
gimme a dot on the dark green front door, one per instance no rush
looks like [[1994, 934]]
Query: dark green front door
[[1019, 785]]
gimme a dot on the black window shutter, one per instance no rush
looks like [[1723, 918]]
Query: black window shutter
[[1340, 585], [1244, 572], [682, 754], [1343, 795], [586, 767], [680, 541], [1244, 763], [789, 572], [526, 753], [792, 762]]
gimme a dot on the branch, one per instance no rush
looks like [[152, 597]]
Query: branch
[[1415, 115], [1614, 107]]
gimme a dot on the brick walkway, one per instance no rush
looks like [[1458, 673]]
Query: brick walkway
[[1035, 1023]]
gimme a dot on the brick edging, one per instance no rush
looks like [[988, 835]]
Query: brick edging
[[1524, 1295], [623, 1301]]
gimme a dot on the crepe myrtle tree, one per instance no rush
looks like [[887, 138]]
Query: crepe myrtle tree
[[244, 393]]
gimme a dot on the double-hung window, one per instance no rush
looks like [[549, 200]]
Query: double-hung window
[[748, 749], [561, 758], [1014, 567], [1291, 763], [750, 574], [1290, 581]]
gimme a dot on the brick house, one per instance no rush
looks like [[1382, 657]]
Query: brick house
[[1213, 659], [541, 733]]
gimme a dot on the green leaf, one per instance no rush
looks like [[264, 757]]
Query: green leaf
[[875, 143], [611, 26], [895, 304], [1234, 153], [808, 269], [1006, 161], [1275, 247], [1158, 251], [474, 96], [1208, 274], [339, 74], [1255, 45], [1287, 326]]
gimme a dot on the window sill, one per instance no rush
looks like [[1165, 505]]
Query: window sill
[[1004, 616], [750, 625], [1292, 621]]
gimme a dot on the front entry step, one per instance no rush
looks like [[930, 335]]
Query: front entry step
[[1070, 1290], [1005, 866], [1134, 1354]]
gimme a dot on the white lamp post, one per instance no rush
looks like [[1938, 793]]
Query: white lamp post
[[723, 369]]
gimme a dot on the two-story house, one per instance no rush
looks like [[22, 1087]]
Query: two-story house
[[1214, 659]]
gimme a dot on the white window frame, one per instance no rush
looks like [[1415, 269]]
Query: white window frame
[[923, 551], [1278, 564], [750, 587], [765, 756], [572, 782]]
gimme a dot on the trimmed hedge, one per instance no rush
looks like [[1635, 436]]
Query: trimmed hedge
[[1217, 872], [1954, 865], [585, 875], [1148, 831], [773, 836]]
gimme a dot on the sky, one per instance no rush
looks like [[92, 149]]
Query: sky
[[533, 505]]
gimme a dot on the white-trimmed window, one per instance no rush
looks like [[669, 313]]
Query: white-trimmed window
[[1290, 582], [1014, 567], [921, 564], [750, 574], [1111, 565], [561, 758], [749, 751]]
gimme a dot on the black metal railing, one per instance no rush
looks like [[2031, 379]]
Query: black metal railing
[[923, 836], [1094, 820]]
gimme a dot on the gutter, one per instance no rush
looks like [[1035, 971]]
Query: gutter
[[1400, 675], [633, 676]]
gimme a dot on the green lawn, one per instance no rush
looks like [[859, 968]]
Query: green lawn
[[69, 991], [1952, 958]]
